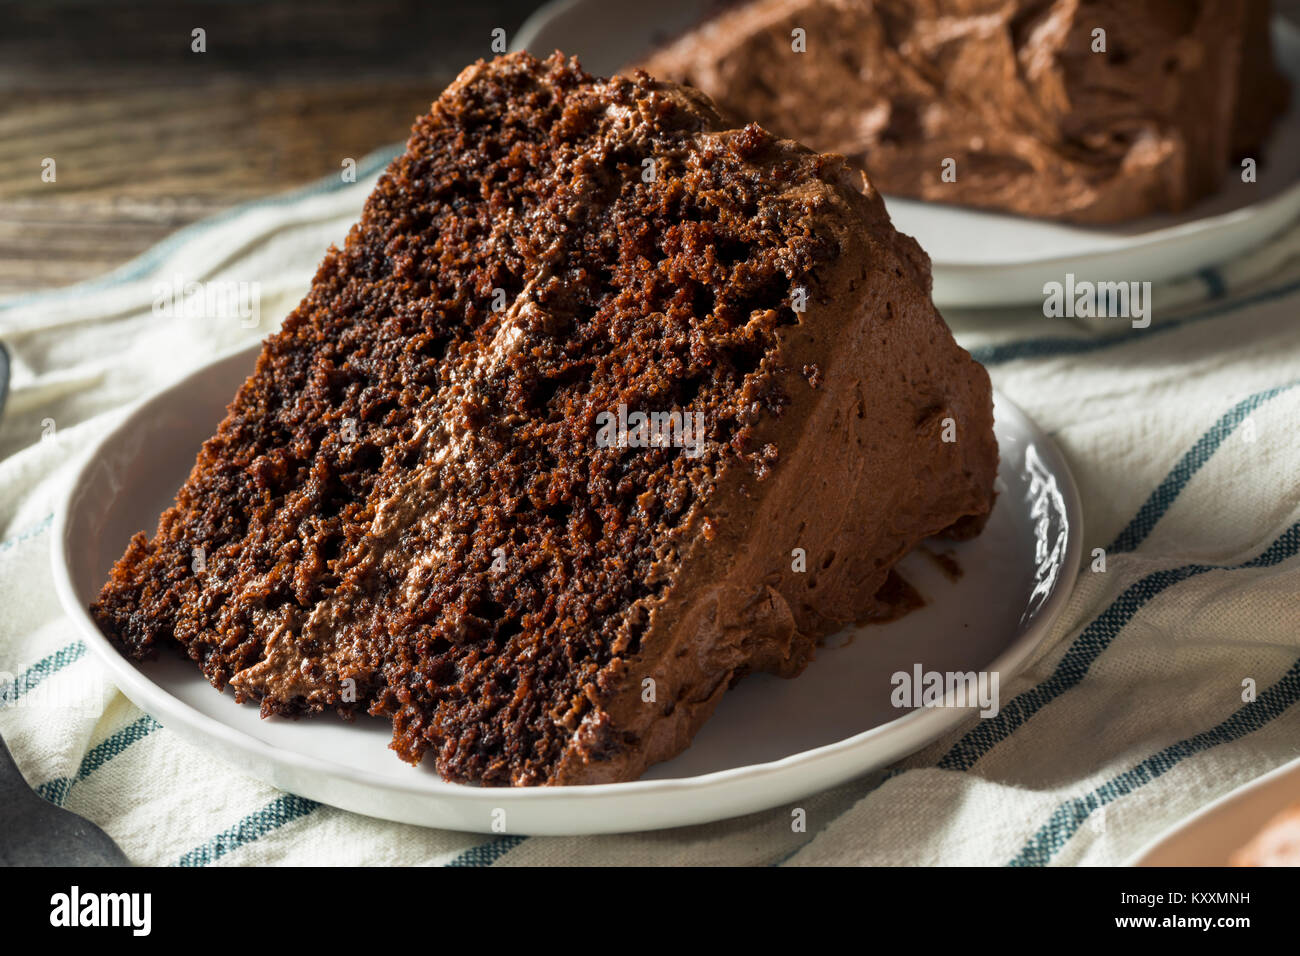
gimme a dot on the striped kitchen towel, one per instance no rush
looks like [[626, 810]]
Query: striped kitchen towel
[[1183, 438]]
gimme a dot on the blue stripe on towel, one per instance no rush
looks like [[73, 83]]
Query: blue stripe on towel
[[253, 827], [288, 808], [1069, 816], [42, 669], [486, 854], [27, 535], [57, 790], [1089, 645], [284, 809], [1165, 494]]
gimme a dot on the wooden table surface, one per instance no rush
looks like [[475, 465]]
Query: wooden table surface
[[147, 135]]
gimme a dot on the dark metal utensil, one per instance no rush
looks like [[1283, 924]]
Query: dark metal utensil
[[4, 376], [34, 832]]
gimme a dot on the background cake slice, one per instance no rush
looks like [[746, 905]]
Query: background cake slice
[[415, 505], [1023, 103]]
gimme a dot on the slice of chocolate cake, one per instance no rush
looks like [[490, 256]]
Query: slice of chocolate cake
[[601, 406], [1086, 111]]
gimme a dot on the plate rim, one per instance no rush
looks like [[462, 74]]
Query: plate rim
[[218, 738]]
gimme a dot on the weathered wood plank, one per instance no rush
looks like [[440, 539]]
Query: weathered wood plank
[[148, 136]]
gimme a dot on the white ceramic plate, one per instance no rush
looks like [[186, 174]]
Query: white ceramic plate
[[1210, 836], [771, 740], [986, 258]]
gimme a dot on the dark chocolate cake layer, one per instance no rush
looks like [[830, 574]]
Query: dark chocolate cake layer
[[1085, 110], [432, 501]]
